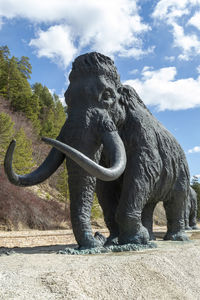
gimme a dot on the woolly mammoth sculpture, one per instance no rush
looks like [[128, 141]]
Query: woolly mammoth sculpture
[[113, 144]]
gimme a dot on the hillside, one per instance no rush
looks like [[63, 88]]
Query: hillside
[[41, 207], [21, 208]]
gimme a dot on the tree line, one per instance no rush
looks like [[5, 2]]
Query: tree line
[[44, 110]]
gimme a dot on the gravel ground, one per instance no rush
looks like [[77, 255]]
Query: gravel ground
[[172, 271]]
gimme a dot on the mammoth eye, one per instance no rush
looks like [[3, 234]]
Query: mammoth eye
[[106, 95]]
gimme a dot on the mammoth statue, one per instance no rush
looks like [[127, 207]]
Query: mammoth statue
[[114, 145]]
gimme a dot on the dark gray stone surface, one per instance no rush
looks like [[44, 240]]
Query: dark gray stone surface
[[122, 151], [191, 211]]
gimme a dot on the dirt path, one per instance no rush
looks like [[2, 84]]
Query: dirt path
[[172, 271]]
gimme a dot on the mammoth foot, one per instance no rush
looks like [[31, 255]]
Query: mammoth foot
[[188, 228], [178, 236], [141, 237], [195, 227], [152, 237], [112, 240], [98, 240]]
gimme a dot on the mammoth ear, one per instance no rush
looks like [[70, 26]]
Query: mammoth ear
[[121, 91], [126, 92]]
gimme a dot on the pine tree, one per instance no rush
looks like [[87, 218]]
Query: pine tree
[[46, 98], [60, 115], [48, 123], [23, 155], [25, 67], [6, 134], [46, 105], [13, 79], [19, 90], [32, 111], [62, 184], [37, 89], [4, 52], [52, 115], [4, 64]]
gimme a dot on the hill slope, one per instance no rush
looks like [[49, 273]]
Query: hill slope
[[21, 208]]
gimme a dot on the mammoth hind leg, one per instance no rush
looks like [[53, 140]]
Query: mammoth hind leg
[[193, 219], [134, 195], [175, 209]]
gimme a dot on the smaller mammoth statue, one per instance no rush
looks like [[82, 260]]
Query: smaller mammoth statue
[[114, 145], [191, 211]]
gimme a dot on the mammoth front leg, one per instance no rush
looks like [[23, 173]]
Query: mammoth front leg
[[108, 195], [81, 187]]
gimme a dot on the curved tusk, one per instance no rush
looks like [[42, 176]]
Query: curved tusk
[[46, 169], [114, 147]]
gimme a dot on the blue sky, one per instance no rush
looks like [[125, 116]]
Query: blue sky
[[155, 46]]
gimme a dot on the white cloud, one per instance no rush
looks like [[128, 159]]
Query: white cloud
[[198, 69], [60, 96], [52, 91], [136, 52], [1, 23], [56, 44], [133, 72], [190, 44], [171, 9], [159, 88], [194, 150], [170, 58], [111, 27], [195, 20], [177, 15]]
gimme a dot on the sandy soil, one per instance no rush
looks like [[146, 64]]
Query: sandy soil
[[172, 271]]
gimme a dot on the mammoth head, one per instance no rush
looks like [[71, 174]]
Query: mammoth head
[[96, 64], [95, 85]]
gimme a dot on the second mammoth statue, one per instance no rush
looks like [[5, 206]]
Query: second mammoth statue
[[114, 145], [191, 211]]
